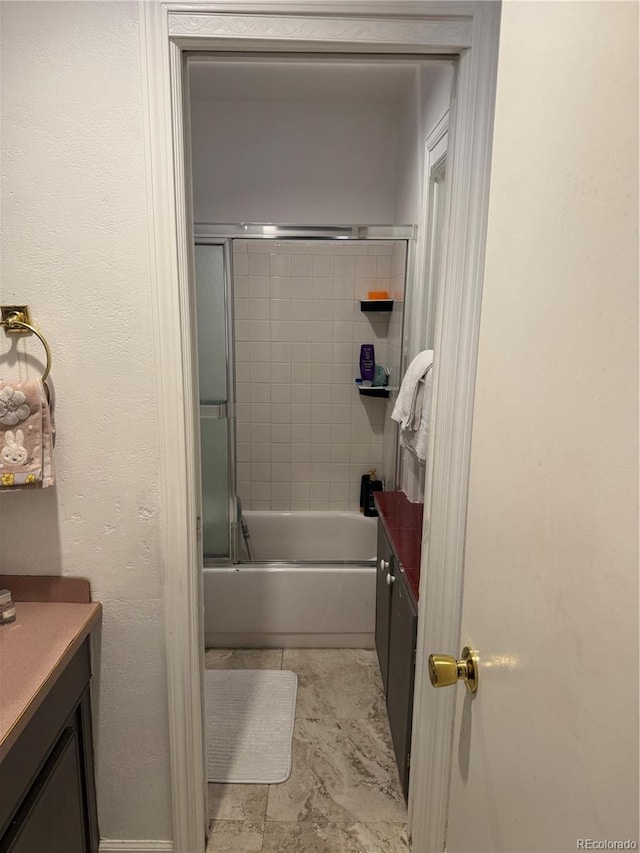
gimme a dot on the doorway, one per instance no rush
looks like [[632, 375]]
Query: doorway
[[284, 139], [470, 34], [298, 139]]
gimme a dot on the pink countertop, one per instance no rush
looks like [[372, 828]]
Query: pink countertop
[[34, 650], [402, 521]]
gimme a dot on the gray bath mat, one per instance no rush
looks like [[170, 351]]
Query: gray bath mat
[[249, 724]]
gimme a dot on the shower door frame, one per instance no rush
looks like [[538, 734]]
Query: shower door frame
[[223, 234], [226, 410], [468, 33]]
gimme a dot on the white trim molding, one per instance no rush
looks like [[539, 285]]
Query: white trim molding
[[456, 343], [466, 30], [179, 455], [412, 472], [403, 35], [432, 153], [110, 845]]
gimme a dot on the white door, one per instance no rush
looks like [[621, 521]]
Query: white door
[[545, 755]]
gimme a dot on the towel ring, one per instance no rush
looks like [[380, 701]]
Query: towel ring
[[12, 321]]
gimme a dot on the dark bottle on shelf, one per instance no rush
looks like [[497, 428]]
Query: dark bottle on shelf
[[371, 485]]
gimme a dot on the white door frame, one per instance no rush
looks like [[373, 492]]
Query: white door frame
[[468, 31], [435, 148], [420, 293]]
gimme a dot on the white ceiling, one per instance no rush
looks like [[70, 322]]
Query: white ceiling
[[282, 80]]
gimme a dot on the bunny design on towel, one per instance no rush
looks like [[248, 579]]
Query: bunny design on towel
[[413, 406], [26, 435]]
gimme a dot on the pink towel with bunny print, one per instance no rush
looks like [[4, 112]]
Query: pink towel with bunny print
[[26, 435]]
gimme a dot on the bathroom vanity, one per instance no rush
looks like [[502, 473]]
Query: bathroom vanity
[[47, 790], [397, 581]]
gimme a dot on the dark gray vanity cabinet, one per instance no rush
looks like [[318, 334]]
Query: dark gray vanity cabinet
[[47, 791], [401, 677], [384, 576], [396, 647]]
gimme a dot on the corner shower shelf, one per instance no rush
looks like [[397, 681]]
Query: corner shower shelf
[[376, 305], [375, 391]]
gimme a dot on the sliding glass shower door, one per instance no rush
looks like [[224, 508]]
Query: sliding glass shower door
[[213, 309]]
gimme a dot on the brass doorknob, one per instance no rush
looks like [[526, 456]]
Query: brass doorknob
[[445, 670]]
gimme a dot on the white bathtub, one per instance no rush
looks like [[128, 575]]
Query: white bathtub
[[307, 602]]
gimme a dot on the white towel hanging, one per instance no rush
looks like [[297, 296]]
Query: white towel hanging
[[413, 406]]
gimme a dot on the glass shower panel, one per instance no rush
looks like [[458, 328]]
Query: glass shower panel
[[215, 426], [211, 324], [214, 438]]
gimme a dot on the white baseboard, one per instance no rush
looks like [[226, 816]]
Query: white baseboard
[[110, 845]]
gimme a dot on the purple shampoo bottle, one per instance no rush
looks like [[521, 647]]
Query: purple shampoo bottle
[[367, 362]]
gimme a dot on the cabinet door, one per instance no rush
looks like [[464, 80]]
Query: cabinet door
[[383, 602], [402, 644], [51, 818]]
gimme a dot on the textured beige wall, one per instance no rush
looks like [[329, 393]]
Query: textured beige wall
[[74, 247]]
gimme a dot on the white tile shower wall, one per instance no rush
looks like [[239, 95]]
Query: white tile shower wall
[[304, 435]]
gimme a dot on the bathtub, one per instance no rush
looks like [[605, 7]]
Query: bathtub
[[313, 584]]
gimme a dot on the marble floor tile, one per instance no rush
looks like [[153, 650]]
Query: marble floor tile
[[235, 836], [343, 771], [377, 838], [337, 683], [243, 658], [343, 795], [325, 837], [310, 837], [237, 802]]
